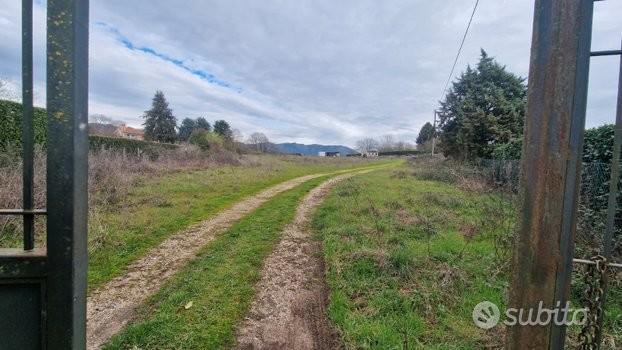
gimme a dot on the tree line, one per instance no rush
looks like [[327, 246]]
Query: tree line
[[161, 126], [385, 143]]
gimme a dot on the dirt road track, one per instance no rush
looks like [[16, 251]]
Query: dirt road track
[[112, 306], [289, 310]]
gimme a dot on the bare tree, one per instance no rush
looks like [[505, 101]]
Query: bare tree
[[403, 146], [103, 119], [259, 141], [367, 144], [237, 135], [387, 143], [8, 91]]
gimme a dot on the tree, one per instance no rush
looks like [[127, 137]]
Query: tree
[[237, 135], [403, 146], [186, 128], [485, 107], [425, 134], [223, 129], [201, 123], [159, 120], [103, 119], [367, 144], [387, 143], [259, 141]]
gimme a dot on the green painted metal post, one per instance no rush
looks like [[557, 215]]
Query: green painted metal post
[[67, 159]]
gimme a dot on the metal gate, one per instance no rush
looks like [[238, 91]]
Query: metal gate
[[550, 175], [43, 289]]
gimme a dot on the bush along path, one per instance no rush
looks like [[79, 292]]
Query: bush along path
[[289, 310], [111, 306]]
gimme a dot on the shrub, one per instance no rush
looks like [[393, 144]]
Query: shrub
[[206, 140], [11, 125], [508, 151]]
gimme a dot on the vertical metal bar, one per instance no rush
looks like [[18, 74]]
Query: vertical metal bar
[[27, 122], [614, 192], [615, 174], [434, 133], [67, 143], [583, 35], [551, 166]]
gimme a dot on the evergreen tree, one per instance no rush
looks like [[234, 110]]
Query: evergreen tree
[[426, 133], [485, 107], [203, 124], [159, 120], [186, 128], [223, 129]]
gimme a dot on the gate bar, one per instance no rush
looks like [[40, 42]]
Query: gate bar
[[551, 165], [612, 206], [25, 212], [606, 53], [27, 128], [67, 157], [615, 173]]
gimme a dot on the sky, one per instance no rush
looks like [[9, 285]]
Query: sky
[[307, 71]]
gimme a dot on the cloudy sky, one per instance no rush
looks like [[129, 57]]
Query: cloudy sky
[[312, 71]]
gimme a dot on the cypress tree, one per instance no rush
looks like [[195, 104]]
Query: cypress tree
[[160, 123]]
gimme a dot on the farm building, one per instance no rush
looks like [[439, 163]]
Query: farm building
[[371, 153], [329, 154]]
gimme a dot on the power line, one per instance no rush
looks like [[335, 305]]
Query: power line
[[453, 67], [466, 32]]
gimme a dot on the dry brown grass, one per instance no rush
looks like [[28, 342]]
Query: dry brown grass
[[111, 175]]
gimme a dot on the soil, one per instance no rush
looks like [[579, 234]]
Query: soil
[[113, 305], [289, 310]]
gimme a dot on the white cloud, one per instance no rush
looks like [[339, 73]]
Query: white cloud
[[308, 71]]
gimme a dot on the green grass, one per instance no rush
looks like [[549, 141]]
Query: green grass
[[401, 268], [162, 205], [219, 283], [407, 260]]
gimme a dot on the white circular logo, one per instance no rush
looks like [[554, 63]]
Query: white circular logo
[[486, 315]]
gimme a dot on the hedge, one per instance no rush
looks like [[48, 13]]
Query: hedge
[[411, 152], [113, 143], [11, 124], [11, 133]]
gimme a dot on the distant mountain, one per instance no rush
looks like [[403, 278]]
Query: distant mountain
[[311, 150]]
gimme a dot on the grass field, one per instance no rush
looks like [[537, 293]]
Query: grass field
[[159, 206], [407, 261], [200, 307]]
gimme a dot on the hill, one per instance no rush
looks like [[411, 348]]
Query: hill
[[312, 150]]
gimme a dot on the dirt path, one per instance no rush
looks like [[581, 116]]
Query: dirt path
[[289, 310], [110, 307]]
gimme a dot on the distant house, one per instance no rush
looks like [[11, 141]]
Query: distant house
[[107, 130], [111, 130], [329, 154], [131, 133], [371, 153]]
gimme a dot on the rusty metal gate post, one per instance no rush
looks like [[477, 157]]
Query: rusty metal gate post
[[43, 290], [551, 166]]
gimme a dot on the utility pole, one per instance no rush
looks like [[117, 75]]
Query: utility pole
[[434, 133]]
